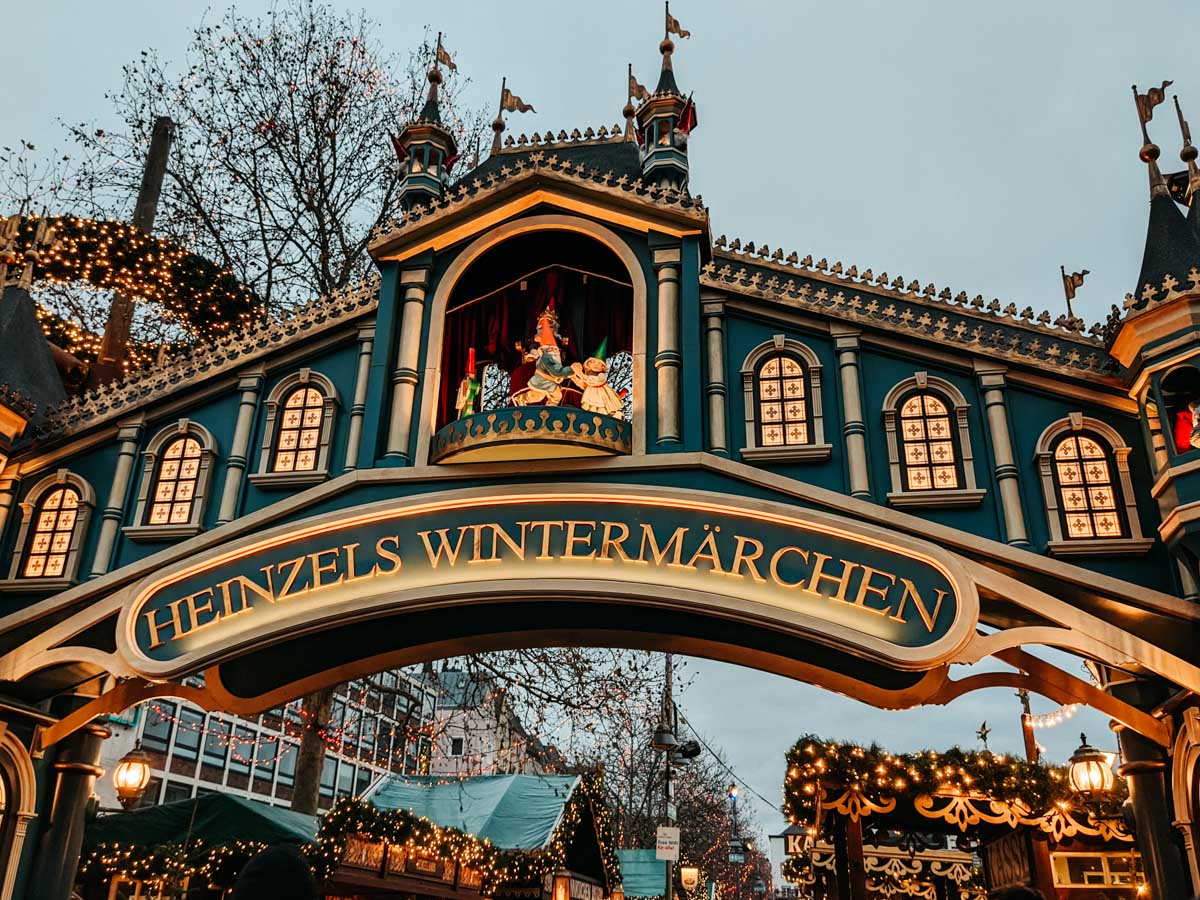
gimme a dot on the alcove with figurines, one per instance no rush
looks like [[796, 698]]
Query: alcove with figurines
[[537, 351]]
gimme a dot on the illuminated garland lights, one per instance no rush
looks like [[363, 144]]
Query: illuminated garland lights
[[203, 297], [881, 779], [219, 866]]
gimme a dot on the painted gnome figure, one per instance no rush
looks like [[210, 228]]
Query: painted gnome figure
[[468, 389], [598, 395], [545, 384]]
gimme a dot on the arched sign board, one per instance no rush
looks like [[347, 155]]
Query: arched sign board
[[879, 596]]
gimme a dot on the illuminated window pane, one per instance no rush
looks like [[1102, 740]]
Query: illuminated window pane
[[927, 448], [781, 400], [1087, 495], [299, 431], [53, 529], [175, 486]]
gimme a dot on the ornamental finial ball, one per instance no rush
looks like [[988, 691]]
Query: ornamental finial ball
[[435, 75], [1149, 153], [667, 46], [628, 111], [498, 124], [1189, 153]]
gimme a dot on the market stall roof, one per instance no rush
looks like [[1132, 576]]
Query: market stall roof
[[641, 874], [514, 812], [215, 819]]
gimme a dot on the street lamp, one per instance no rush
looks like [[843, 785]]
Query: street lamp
[[664, 738], [131, 777], [1091, 773], [689, 877]]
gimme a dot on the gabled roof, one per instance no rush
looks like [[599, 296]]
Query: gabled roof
[[216, 819], [514, 812], [615, 155]]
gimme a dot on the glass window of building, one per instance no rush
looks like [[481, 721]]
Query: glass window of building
[[299, 434], [50, 538], [157, 733], [189, 733], [1088, 496], [929, 456]]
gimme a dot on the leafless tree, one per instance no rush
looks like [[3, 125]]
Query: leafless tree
[[281, 163]]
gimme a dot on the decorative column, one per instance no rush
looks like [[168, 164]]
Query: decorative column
[[366, 342], [853, 428], [404, 376], [713, 311], [992, 381], [8, 494], [668, 360], [1187, 572], [130, 435], [1143, 768], [75, 770], [250, 384]]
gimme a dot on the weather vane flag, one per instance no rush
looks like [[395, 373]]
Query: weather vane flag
[[1146, 103], [443, 56], [637, 90], [673, 26], [1072, 283]]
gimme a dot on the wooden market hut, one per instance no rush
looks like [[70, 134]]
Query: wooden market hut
[[507, 837]]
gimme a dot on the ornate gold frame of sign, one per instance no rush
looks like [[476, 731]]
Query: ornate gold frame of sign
[[653, 585]]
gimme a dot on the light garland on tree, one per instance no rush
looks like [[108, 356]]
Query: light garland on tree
[[114, 256]]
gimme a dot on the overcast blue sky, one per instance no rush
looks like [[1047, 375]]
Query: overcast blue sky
[[974, 145]]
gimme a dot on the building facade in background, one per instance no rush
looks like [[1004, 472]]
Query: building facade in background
[[372, 733]]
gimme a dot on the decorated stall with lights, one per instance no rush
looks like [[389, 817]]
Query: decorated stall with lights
[[857, 812], [519, 836], [563, 412]]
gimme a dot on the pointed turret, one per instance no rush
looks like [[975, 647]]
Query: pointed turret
[[426, 148], [1172, 250], [665, 119]]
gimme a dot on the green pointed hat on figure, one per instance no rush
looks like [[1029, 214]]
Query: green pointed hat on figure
[[601, 351]]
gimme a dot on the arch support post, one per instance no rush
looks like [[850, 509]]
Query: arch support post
[[669, 359], [1144, 770], [74, 771], [129, 434], [8, 494], [853, 427], [414, 283], [992, 381]]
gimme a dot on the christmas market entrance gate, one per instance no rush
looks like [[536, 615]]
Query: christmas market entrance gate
[[388, 567]]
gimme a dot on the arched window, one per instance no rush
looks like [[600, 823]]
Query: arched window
[[929, 444], [1084, 466], [781, 380], [781, 400], [54, 523], [176, 471], [1087, 492], [929, 457], [298, 433]]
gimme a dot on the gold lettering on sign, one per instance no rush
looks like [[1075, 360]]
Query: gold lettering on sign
[[698, 550]]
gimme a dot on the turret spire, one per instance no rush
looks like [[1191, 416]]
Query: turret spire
[[1172, 249], [1149, 153], [1188, 154], [666, 80], [426, 149]]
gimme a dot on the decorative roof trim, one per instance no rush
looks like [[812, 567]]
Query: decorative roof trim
[[996, 340], [548, 141], [472, 189], [1063, 328], [1150, 299], [204, 360]]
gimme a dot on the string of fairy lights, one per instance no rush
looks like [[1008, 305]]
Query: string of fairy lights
[[816, 766]]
